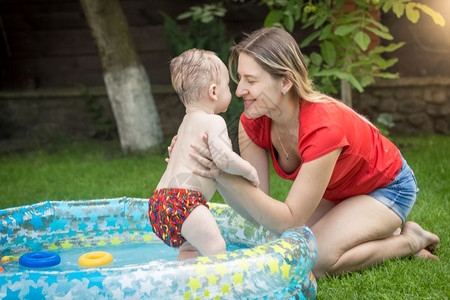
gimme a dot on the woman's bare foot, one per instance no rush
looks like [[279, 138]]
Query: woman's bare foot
[[424, 253], [422, 242]]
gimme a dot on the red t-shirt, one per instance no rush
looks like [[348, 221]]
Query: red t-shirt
[[368, 160]]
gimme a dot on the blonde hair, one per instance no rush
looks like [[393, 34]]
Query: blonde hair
[[277, 52], [192, 71]]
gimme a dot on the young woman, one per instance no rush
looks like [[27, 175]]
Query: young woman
[[351, 185]]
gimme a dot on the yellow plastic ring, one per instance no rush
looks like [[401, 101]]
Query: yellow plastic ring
[[95, 259]]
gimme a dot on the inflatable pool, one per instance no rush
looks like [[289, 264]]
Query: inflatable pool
[[260, 266]]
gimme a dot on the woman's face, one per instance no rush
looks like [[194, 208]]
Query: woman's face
[[259, 90]]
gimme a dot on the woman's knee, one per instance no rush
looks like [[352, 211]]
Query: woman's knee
[[327, 257], [355, 221]]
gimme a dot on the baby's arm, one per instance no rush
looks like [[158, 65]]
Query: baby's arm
[[223, 155]]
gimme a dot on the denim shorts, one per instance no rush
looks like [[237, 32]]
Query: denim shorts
[[400, 195]]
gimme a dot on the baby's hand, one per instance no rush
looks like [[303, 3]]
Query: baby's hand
[[253, 177]]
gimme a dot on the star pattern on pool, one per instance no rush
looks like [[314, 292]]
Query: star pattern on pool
[[274, 267]]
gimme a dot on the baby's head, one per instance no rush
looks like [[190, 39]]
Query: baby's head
[[193, 71]]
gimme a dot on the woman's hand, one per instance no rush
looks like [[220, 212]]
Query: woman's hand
[[170, 148], [210, 169], [203, 156]]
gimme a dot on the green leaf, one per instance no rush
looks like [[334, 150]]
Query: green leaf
[[328, 52], [342, 75], [329, 72], [298, 10], [310, 20], [367, 80], [387, 6], [315, 58], [384, 64], [289, 22], [196, 9], [327, 85], [184, 15], [353, 81], [437, 17], [345, 29], [320, 21], [207, 17], [391, 62], [362, 39], [347, 43], [412, 13], [378, 25], [381, 62], [220, 12], [389, 48], [309, 39], [399, 9], [289, 8], [325, 32], [384, 35], [388, 75], [278, 25], [273, 17], [312, 70]]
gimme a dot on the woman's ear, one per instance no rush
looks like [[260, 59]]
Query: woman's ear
[[287, 82], [212, 92]]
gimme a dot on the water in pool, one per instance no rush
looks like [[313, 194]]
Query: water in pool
[[123, 255]]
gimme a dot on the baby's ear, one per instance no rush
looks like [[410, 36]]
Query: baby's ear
[[212, 92]]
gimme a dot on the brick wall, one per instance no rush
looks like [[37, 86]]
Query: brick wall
[[418, 104]]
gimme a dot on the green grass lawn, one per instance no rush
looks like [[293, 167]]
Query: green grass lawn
[[99, 170]]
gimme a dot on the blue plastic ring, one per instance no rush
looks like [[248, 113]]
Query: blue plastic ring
[[39, 259]]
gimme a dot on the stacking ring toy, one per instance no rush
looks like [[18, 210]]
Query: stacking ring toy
[[95, 259], [39, 259]]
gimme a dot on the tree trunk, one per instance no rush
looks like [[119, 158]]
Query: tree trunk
[[346, 92], [126, 80]]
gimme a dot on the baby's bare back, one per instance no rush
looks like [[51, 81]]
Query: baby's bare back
[[179, 171]]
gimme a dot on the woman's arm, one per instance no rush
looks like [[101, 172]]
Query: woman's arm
[[303, 198], [256, 156]]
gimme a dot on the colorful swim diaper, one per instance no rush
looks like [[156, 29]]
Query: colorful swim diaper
[[167, 210]]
